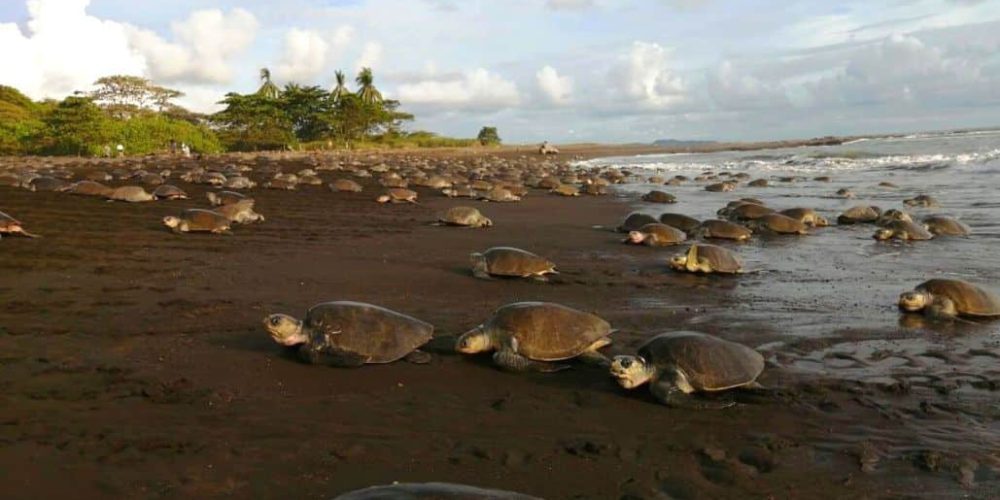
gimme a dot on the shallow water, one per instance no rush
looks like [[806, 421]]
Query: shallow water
[[827, 301]]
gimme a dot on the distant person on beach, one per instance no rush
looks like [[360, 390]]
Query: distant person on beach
[[185, 150], [107, 151], [121, 150], [173, 147]]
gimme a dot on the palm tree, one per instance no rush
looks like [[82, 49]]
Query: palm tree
[[366, 87], [268, 89], [341, 89]]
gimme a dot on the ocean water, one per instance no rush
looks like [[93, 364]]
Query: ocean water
[[824, 305]]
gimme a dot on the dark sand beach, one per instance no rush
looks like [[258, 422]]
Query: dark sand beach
[[133, 363]]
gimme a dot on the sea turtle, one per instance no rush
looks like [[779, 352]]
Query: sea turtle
[[460, 192], [845, 193], [89, 188], [659, 197], [823, 178], [634, 221], [721, 187], [656, 235], [680, 221], [11, 226], [566, 190], [351, 334], [345, 186], [464, 216], [903, 230], [224, 198], [431, 491], [132, 194], [532, 335], [746, 211], [169, 192], [510, 262], [807, 216], [239, 182], [892, 215], [282, 183], [922, 200], [702, 258], [48, 184], [721, 229], [499, 194], [398, 195], [859, 214], [948, 298], [680, 363], [241, 212], [942, 225], [594, 189], [758, 183], [779, 224], [198, 220], [887, 185]]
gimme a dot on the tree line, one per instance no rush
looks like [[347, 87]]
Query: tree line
[[144, 118]]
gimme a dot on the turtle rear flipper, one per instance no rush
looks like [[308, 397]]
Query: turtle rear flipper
[[512, 361], [333, 357], [418, 357], [29, 235]]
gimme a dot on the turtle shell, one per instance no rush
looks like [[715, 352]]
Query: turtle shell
[[659, 197], [547, 332], [636, 220], [130, 193], [228, 197], [807, 216], [749, 211], [381, 335], [969, 299], [721, 260], [510, 261], [781, 224], [859, 214], [204, 220], [708, 362], [914, 231], [436, 491], [680, 221], [402, 194], [89, 188], [715, 228], [665, 235], [461, 216], [946, 226], [169, 191]]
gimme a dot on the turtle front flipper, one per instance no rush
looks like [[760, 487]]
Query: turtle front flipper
[[593, 357], [509, 360], [331, 356], [419, 357], [666, 391]]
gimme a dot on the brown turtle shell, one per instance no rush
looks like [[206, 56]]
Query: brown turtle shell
[[345, 185], [807, 216], [545, 331], [680, 221], [659, 197], [510, 261], [664, 235], [942, 225], [781, 224], [634, 221], [859, 214], [462, 216], [376, 333], [749, 211], [721, 260], [89, 188], [914, 231], [721, 229], [969, 299], [708, 362], [204, 220]]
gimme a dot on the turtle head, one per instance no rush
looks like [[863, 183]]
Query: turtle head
[[821, 221], [915, 301], [213, 198], [487, 222], [631, 371], [285, 329], [171, 221], [884, 234], [474, 341], [635, 238], [679, 262], [383, 199]]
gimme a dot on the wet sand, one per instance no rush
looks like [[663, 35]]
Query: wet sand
[[133, 364]]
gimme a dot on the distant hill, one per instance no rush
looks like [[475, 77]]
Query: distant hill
[[674, 143]]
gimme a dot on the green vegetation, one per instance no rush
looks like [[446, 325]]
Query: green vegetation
[[488, 136], [142, 116]]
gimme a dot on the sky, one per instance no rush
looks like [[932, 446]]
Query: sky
[[558, 70]]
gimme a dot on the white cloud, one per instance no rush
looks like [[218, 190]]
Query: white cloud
[[64, 50], [733, 89], [305, 56], [557, 89], [478, 89], [644, 77], [205, 43], [370, 56]]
